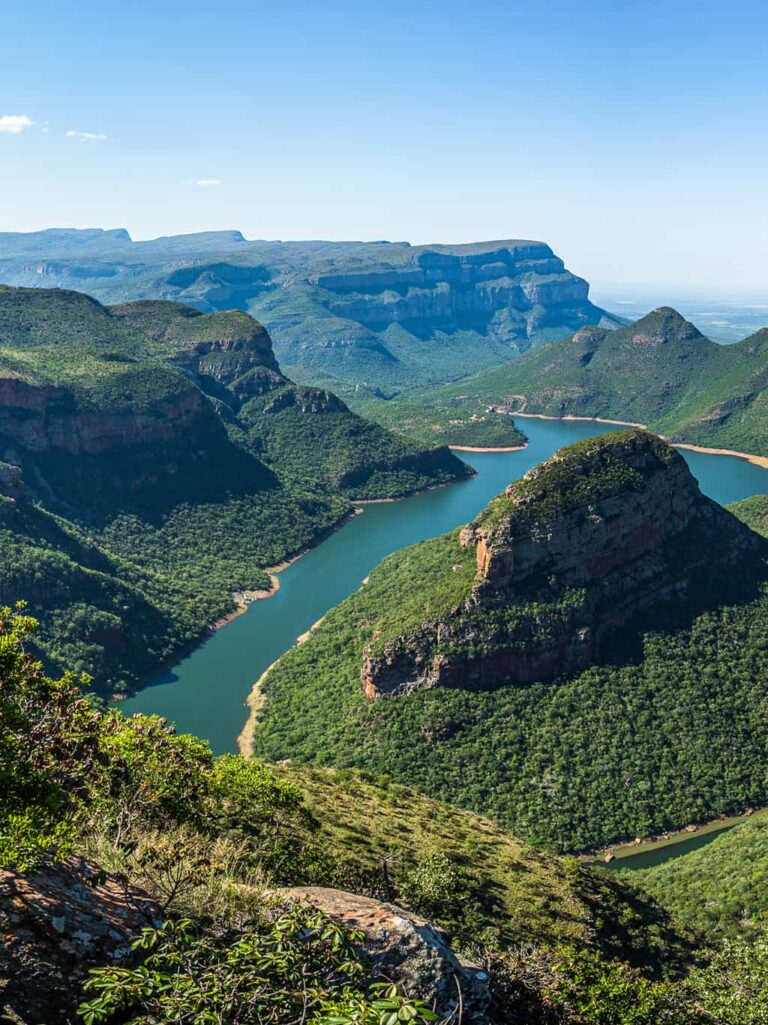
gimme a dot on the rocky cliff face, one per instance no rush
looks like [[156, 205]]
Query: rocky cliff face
[[44, 418], [442, 286], [148, 435], [388, 314], [581, 547]]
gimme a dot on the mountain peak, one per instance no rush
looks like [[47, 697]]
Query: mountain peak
[[579, 548], [662, 325]]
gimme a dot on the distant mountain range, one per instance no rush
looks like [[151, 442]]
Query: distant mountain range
[[660, 371], [382, 316]]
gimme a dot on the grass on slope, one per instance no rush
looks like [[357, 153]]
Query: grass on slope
[[380, 835], [418, 418], [65, 337], [754, 512], [436, 424], [721, 888], [306, 434]]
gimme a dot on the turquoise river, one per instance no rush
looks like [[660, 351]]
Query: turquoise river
[[205, 692]]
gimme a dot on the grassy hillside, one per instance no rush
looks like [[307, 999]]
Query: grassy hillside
[[419, 418], [435, 423], [378, 834], [754, 512], [211, 840], [721, 889]]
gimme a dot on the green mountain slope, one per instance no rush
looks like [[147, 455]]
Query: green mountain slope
[[654, 733], [169, 443], [722, 888], [378, 833], [92, 799], [660, 371]]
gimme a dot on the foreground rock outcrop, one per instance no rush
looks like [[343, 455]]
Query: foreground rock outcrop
[[400, 946], [55, 925], [581, 547]]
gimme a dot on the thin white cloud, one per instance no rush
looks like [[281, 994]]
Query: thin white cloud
[[88, 136], [206, 182], [15, 123]]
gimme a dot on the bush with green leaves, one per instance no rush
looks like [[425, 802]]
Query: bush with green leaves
[[569, 986], [47, 749], [733, 988], [300, 967], [68, 767]]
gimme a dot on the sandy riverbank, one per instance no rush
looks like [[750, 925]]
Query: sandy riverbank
[[244, 599], [255, 702], [617, 853], [582, 419], [757, 460], [480, 448]]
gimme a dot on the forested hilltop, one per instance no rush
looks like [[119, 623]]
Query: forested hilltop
[[144, 880], [585, 662], [660, 371], [154, 460], [385, 316]]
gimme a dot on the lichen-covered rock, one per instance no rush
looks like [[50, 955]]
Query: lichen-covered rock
[[402, 947], [577, 549], [56, 924]]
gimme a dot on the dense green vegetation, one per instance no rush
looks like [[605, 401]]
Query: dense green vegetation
[[616, 751], [667, 729], [561, 484], [441, 422], [433, 423], [166, 464], [721, 888], [209, 839], [754, 512], [660, 371]]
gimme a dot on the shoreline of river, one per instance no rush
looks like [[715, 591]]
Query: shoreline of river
[[184, 690], [249, 597], [581, 419], [255, 700], [272, 571], [254, 703], [617, 853], [479, 448], [761, 461], [241, 608]]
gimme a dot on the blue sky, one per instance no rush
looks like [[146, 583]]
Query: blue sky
[[630, 136]]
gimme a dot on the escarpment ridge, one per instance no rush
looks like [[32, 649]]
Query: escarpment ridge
[[389, 315], [575, 551]]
